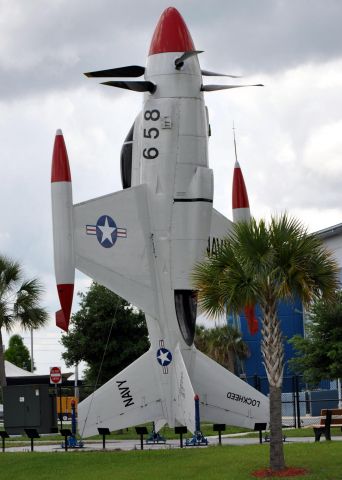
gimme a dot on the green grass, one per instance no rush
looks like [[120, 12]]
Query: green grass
[[323, 460]]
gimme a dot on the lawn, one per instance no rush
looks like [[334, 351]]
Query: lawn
[[323, 460]]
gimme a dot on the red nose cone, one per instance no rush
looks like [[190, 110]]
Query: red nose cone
[[239, 197], [171, 34], [60, 171]]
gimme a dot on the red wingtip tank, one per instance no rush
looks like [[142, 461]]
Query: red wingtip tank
[[61, 194]]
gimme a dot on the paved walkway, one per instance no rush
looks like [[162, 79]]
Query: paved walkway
[[135, 445]]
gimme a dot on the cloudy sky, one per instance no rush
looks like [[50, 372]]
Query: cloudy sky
[[289, 133]]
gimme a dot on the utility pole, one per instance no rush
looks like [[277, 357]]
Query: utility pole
[[76, 389], [32, 364]]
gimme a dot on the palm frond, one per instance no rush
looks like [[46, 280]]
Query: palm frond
[[34, 317], [10, 274], [258, 263], [26, 308]]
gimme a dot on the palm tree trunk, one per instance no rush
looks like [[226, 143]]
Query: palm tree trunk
[[273, 353], [277, 460], [3, 381]]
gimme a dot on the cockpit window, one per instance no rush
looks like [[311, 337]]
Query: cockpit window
[[126, 159], [186, 311]]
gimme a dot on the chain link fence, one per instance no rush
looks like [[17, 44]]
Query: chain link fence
[[301, 405]]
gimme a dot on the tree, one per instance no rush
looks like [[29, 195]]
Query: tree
[[318, 355], [107, 333], [264, 264], [17, 353], [19, 303], [223, 344]]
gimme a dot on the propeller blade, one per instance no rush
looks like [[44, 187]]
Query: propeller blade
[[129, 71], [134, 86], [179, 62], [214, 88], [207, 73]]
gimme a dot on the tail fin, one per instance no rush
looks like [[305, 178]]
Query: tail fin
[[184, 398], [130, 398], [224, 397]]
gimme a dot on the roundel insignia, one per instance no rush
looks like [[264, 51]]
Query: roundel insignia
[[164, 357], [106, 231]]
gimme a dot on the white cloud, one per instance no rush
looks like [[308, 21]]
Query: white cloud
[[323, 151]]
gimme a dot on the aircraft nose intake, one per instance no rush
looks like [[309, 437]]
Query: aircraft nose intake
[[171, 34]]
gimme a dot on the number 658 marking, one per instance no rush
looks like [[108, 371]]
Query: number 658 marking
[[148, 133], [150, 153], [151, 133]]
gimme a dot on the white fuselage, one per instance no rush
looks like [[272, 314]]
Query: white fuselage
[[144, 241], [170, 156]]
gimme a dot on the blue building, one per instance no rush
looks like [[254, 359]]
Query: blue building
[[291, 318]]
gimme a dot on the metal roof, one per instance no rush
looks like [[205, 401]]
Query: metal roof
[[329, 232]]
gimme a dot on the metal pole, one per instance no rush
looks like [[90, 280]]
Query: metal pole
[[103, 441], [56, 395], [181, 440], [76, 390], [73, 417], [142, 441], [197, 414], [32, 364], [298, 405], [220, 433], [294, 401], [3, 444], [339, 393], [60, 406], [31, 444]]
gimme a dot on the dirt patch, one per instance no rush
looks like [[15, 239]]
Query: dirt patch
[[286, 472]]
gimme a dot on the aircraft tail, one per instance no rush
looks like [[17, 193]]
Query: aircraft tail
[[183, 400], [224, 397], [136, 396], [130, 398]]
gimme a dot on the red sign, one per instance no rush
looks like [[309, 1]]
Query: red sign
[[55, 375]]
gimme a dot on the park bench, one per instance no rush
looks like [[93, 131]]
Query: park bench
[[329, 418]]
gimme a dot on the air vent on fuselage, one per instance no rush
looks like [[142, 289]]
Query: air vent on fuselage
[[186, 311]]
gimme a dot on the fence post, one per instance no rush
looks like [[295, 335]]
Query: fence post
[[294, 401], [257, 383], [297, 401]]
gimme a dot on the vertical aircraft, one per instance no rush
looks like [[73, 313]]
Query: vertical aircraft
[[143, 242]]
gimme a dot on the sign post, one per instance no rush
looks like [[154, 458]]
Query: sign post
[[56, 379]]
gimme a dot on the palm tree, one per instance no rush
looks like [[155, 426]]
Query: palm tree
[[264, 264], [19, 303], [223, 344]]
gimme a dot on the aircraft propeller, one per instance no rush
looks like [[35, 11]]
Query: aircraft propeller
[[129, 71], [135, 86], [214, 88], [132, 71]]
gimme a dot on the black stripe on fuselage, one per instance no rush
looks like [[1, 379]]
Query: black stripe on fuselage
[[208, 200]]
